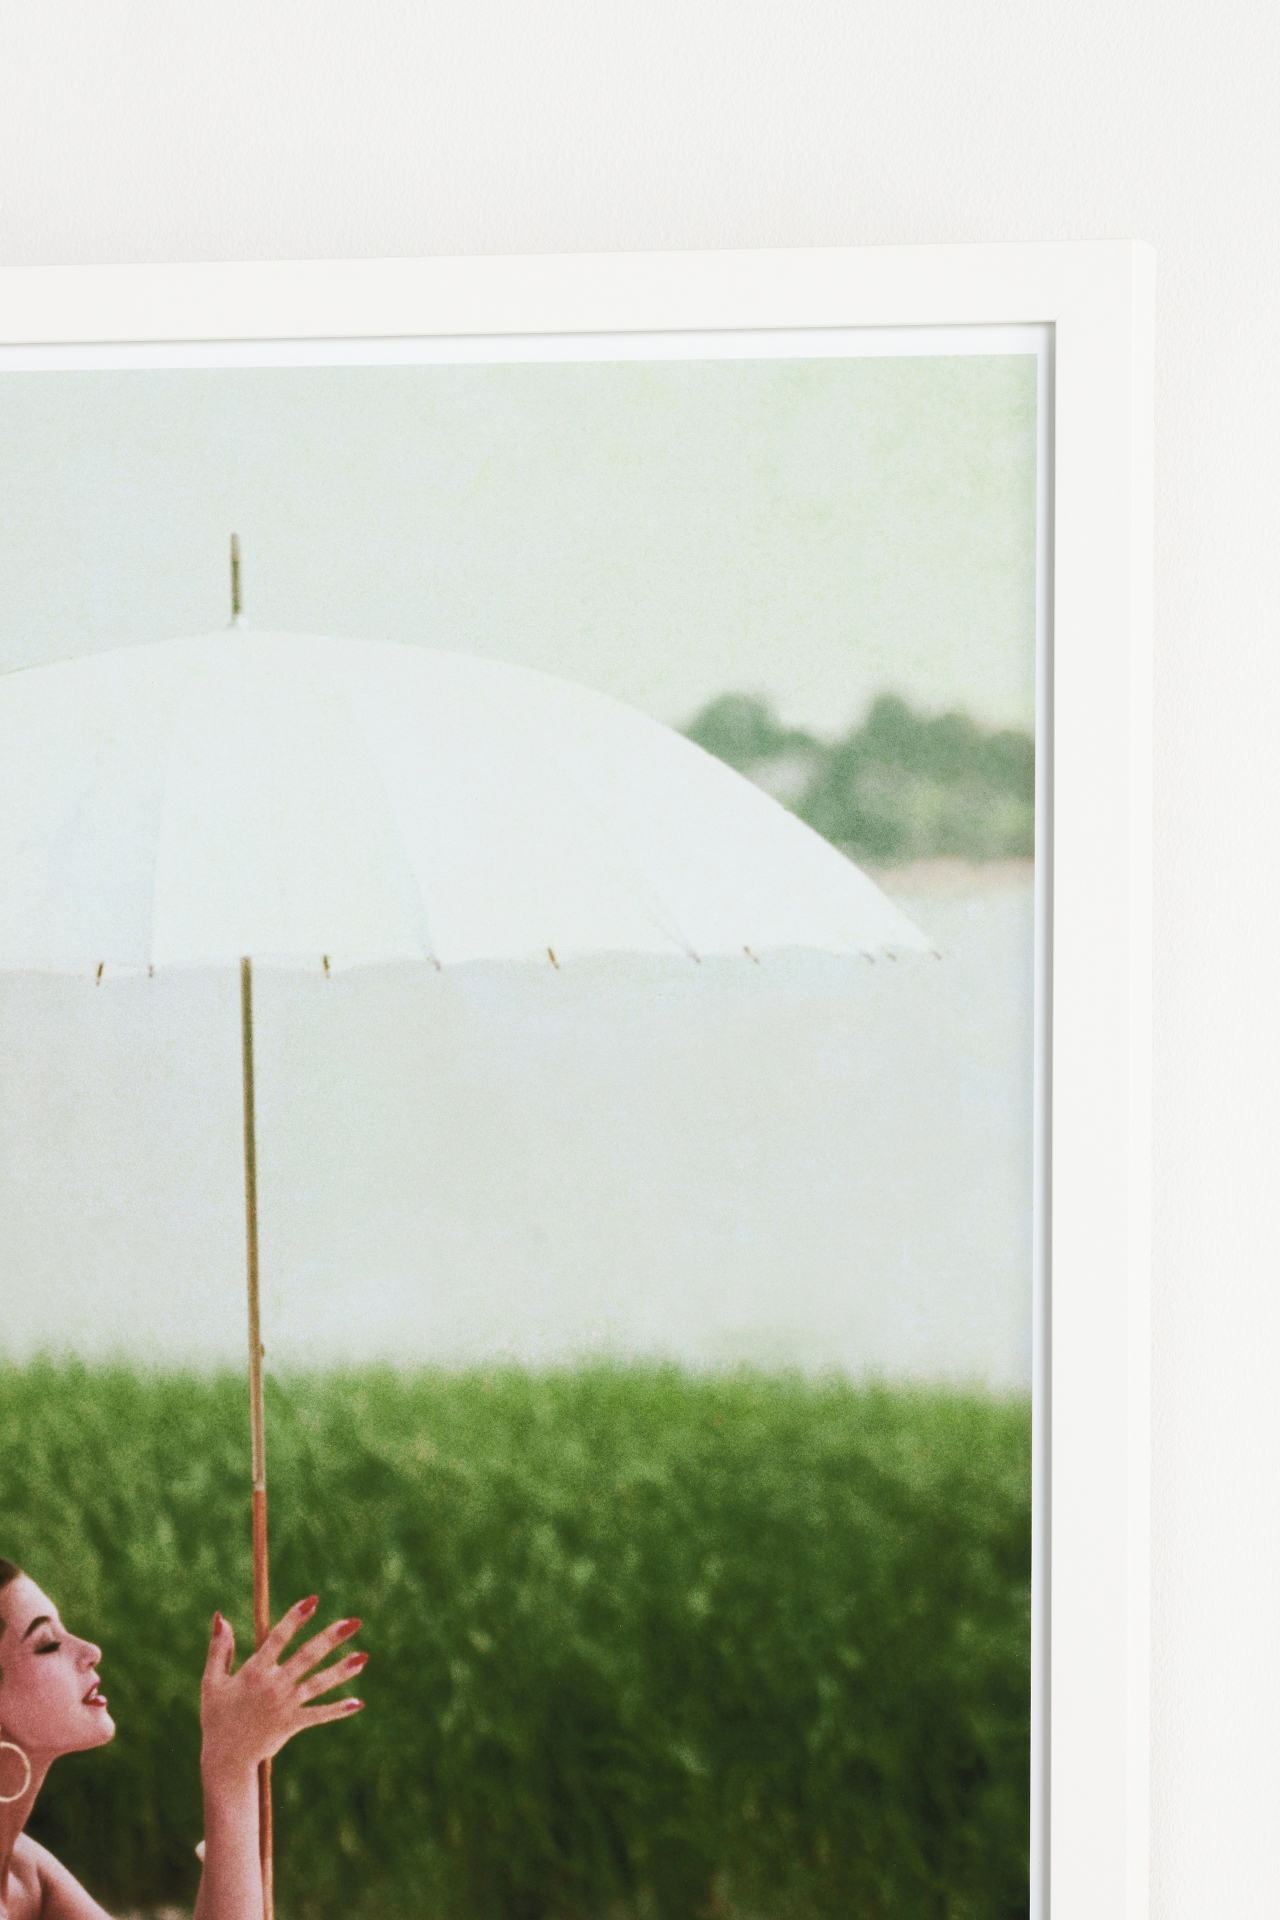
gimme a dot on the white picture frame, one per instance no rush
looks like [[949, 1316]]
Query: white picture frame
[[1090, 1587]]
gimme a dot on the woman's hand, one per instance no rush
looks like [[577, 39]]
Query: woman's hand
[[247, 1716]]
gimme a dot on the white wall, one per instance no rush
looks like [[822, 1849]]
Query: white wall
[[146, 131]]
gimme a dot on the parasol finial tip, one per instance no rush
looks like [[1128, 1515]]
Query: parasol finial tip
[[237, 602]]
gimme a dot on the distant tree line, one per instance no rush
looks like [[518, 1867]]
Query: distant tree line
[[900, 786]]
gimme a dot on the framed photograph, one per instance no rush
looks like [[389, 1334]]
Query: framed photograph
[[607, 799]]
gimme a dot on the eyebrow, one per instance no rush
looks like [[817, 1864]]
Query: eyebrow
[[41, 1620]]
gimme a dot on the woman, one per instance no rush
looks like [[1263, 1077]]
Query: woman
[[51, 1703]]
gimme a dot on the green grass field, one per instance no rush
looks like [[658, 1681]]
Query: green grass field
[[645, 1643]]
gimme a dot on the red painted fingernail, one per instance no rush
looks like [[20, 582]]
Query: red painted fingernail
[[218, 1622], [307, 1607], [353, 1706], [348, 1627], [355, 1661]]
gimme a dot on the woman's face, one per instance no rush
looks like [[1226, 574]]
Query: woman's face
[[49, 1698]]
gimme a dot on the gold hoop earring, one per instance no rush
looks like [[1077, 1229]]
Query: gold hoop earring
[[10, 1746]]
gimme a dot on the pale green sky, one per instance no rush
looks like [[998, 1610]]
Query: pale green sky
[[815, 530]]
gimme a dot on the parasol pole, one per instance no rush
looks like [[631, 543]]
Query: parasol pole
[[257, 1430]]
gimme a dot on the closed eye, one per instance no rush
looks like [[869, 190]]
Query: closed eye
[[50, 1646]]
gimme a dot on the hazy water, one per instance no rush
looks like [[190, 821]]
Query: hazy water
[[827, 1168]]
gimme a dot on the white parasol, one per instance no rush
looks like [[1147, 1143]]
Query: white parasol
[[246, 797]]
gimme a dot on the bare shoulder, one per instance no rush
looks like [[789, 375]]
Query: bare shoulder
[[47, 1891]]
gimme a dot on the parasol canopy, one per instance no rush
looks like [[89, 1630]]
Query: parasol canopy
[[335, 803]]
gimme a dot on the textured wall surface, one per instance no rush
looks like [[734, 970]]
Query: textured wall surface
[[147, 132]]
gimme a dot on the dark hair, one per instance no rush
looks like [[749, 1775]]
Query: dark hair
[[8, 1572]]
